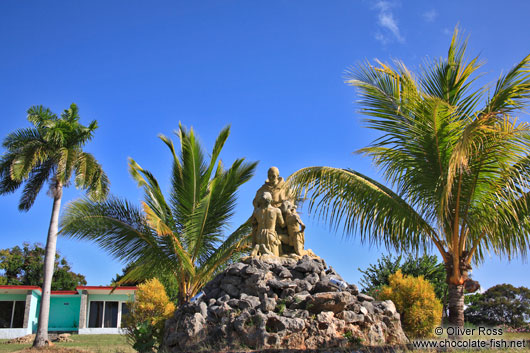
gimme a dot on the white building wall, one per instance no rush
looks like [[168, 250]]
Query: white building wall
[[8, 333]]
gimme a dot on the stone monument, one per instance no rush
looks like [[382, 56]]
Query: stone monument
[[277, 228], [281, 296]]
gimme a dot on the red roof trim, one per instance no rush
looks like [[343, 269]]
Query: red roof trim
[[103, 287], [64, 292], [20, 287]]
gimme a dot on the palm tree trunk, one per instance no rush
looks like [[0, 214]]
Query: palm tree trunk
[[456, 305], [41, 337]]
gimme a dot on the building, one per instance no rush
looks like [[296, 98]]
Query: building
[[87, 310]]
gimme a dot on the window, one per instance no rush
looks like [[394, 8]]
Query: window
[[111, 314], [96, 314], [103, 314], [124, 312], [12, 314]]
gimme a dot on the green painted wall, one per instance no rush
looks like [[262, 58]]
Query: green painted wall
[[110, 298], [11, 297], [64, 312]]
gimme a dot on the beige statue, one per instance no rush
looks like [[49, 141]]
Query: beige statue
[[266, 217], [295, 229], [277, 229], [275, 185]]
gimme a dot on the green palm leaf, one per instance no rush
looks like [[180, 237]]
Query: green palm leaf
[[458, 164], [184, 234]]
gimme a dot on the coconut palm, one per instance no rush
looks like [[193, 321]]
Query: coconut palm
[[454, 155], [50, 152], [183, 233]]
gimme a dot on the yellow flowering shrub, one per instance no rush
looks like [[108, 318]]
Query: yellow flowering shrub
[[147, 315], [151, 303], [416, 303]]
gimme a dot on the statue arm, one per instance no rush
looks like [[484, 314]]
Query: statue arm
[[279, 218], [302, 225]]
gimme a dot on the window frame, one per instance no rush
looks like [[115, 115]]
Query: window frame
[[13, 308], [118, 323]]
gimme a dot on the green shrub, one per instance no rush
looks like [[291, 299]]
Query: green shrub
[[415, 301]]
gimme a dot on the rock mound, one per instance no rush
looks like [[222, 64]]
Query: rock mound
[[271, 302]]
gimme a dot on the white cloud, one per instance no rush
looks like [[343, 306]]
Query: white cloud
[[387, 22], [381, 37], [430, 15]]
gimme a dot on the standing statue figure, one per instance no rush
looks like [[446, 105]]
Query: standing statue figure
[[277, 229], [266, 217], [275, 185], [295, 229]]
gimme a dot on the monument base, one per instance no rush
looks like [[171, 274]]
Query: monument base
[[281, 303]]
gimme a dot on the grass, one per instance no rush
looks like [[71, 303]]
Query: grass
[[118, 344], [81, 343]]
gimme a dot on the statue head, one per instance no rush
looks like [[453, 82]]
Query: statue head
[[285, 206], [266, 198], [273, 174]]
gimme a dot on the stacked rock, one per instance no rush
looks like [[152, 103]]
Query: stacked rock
[[272, 302]]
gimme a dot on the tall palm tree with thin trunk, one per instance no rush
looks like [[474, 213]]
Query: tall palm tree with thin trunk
[[456, 157], [182, 235], [50, 152]]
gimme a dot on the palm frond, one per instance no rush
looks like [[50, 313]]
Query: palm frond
[[116, 226], [36, 180], [7, 184], [512, 91], [348, 198]]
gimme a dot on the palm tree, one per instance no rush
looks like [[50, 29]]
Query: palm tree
[[50, 152], [457, 159], [181, 234]]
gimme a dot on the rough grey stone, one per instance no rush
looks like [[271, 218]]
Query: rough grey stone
[[203, 309], [363, 310], [285, 274], [390, 308], [234, 303], [233, 280], [230, 289], [308, 266], [279, 303], [276, 284], [369, 306], [350, 317], [268, 304], [236, 268], [224, 298], [249, 302], [303, 285], [363, 297]]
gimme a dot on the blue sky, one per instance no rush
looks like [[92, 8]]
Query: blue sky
[[273, 70]]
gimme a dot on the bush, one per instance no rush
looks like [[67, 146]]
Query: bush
[[415, 301], [145, 322], [376, 275]]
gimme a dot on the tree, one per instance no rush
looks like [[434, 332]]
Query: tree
[[182, 234], [50, 152], [24, 266], [456, 156], [376, 275], [502, 304]]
